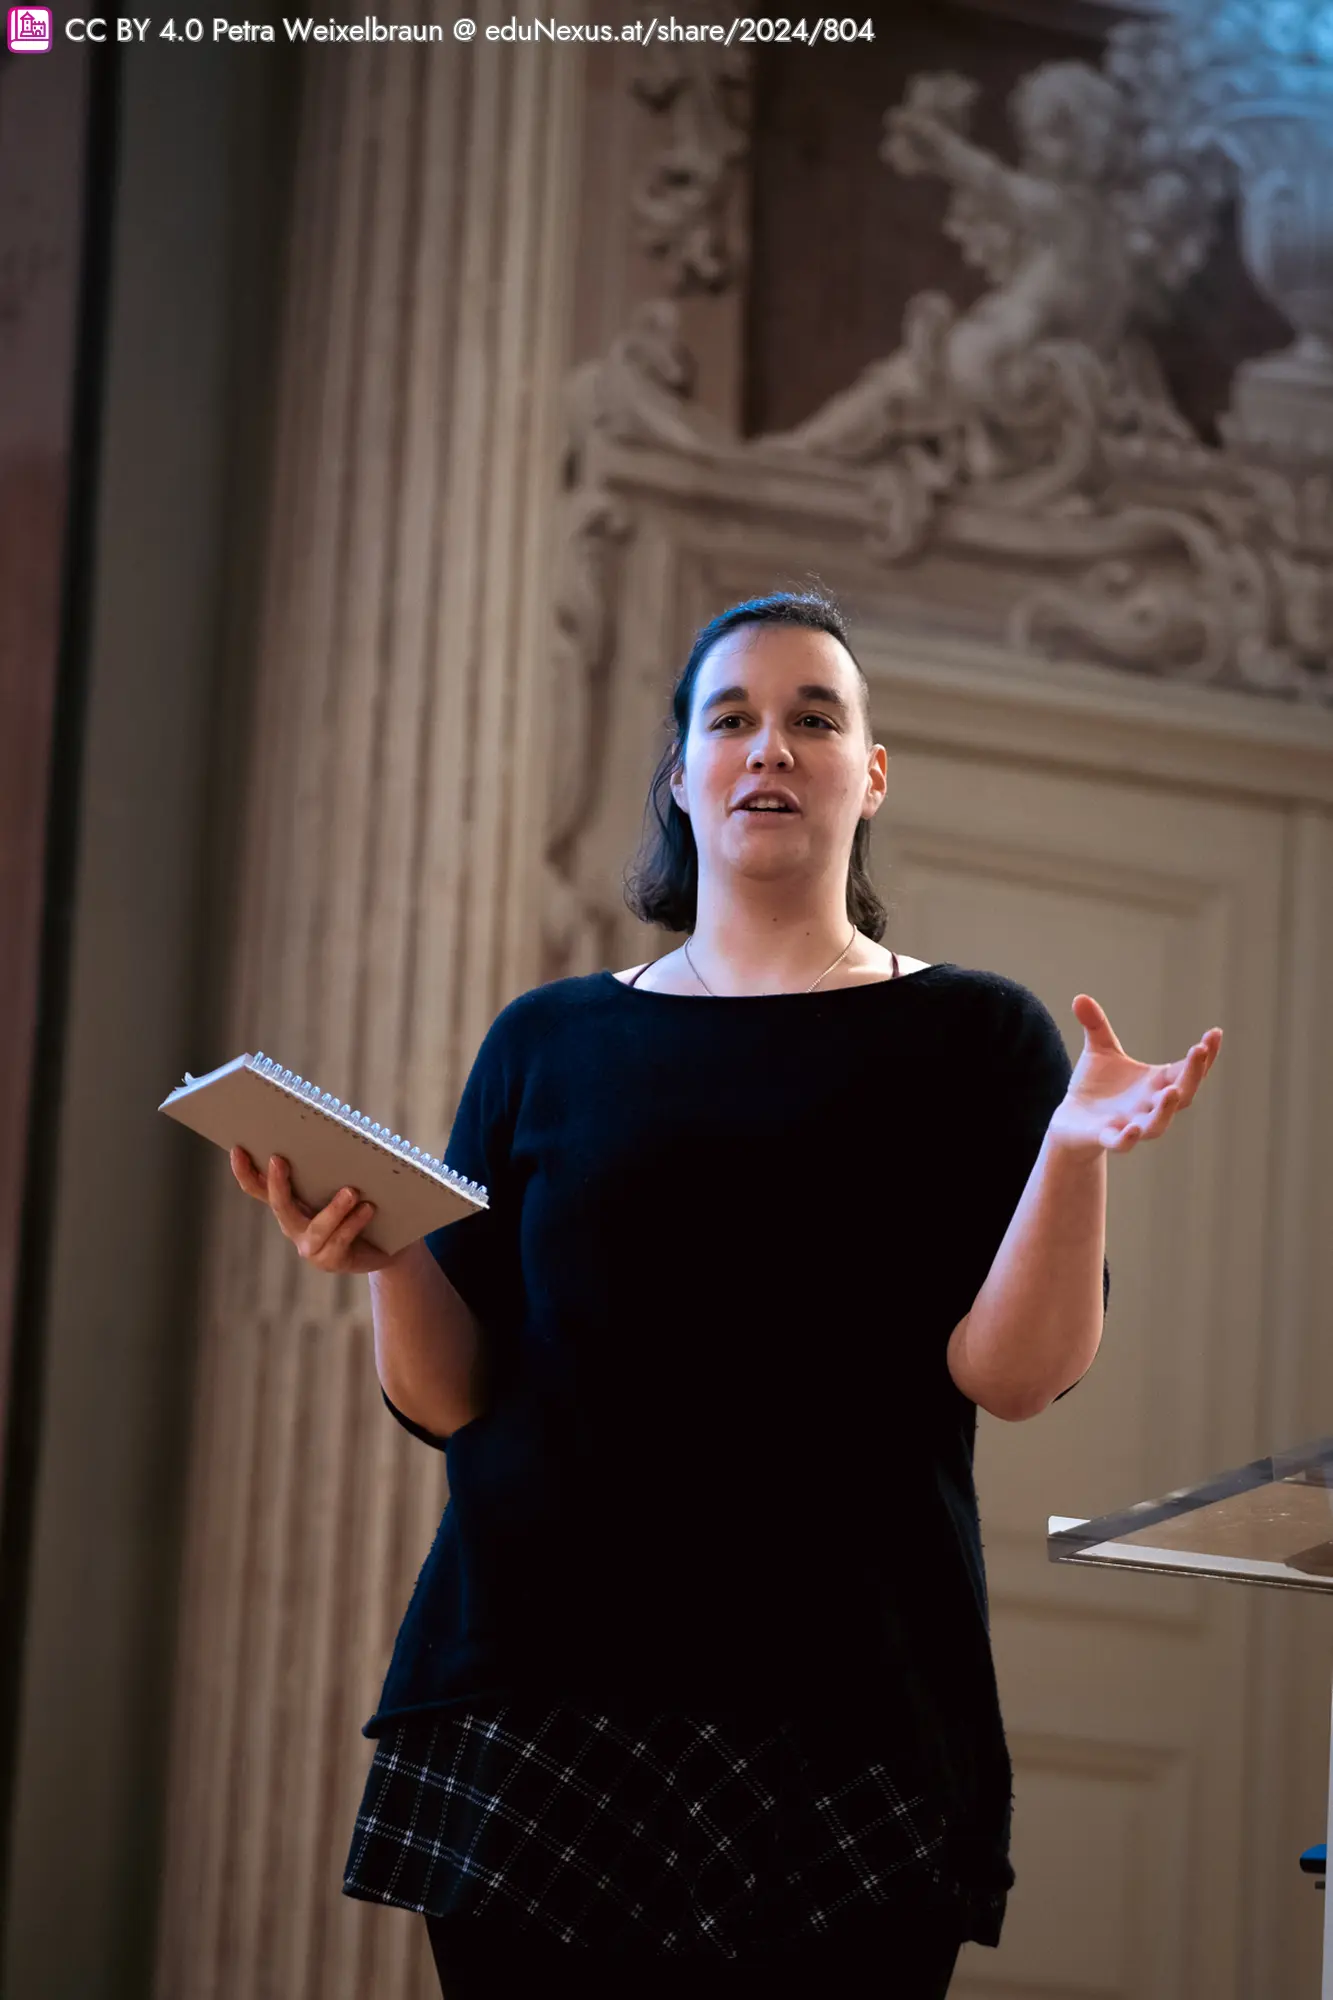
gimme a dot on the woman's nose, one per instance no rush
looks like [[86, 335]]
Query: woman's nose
[[768, 747]]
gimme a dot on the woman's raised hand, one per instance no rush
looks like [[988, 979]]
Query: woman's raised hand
[[1113, 1101], [328, 1239]]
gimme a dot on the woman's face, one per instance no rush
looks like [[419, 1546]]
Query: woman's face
[[778, 707]]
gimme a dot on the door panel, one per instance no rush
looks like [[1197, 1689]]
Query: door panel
[[1125, 1697]]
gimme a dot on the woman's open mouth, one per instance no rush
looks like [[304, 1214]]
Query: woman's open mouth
[[769, 809]]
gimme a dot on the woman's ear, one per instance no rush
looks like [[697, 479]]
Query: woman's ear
[[877, 782], [678, 788]]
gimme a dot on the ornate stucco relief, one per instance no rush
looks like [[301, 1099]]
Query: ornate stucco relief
[[1026, 447], [641, 392], [682, 201]]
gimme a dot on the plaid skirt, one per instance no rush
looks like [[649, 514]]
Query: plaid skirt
[[674, 1833]]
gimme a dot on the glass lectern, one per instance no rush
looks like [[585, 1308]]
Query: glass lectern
[[1270, 1522]]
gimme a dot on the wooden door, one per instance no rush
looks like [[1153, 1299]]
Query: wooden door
[[1125, 1697]]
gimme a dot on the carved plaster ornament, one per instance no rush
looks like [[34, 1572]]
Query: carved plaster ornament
[[1255, 80], [1036, 425], [638, 395], [639, 392], [1082, 242], [1032, 428], [681, 202]]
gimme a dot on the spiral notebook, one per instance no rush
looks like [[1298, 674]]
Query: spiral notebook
[[255, 1103]]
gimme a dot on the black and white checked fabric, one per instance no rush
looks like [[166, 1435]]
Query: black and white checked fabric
[[676, 1833]]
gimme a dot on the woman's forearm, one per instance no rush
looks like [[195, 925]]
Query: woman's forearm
[[1036, 1323], [429, 1345]]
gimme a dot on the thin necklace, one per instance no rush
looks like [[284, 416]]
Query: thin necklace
[[809, 989]]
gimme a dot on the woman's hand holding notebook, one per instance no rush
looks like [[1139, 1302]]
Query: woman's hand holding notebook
[[329, 1238], [351, 1192]]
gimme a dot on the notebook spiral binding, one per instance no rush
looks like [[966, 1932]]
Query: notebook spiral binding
[[357, 1121]]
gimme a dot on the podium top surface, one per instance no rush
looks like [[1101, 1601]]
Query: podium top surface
[[1269, 1522]]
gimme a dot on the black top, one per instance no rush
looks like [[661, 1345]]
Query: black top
[[725, 1468]]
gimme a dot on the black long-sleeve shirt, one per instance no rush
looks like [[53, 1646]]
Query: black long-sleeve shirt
[[725, 1467]]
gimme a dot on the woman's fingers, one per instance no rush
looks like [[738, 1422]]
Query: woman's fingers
[[1185, 1077], [1201, 1059], [322, 1239], [248, 1174], [1174, 1087], [325, 1239], [324, 1228], [1190, 1071], [1146, 1124], [293, 1215], [333, 1251]]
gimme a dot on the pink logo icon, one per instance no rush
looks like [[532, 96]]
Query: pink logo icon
[[30, 30]]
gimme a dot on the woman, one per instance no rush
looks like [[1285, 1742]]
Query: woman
[[695, 1693]]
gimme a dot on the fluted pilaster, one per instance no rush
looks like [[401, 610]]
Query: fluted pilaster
[[387, 910]]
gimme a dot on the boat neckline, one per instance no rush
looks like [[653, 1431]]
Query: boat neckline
[[862, 986]]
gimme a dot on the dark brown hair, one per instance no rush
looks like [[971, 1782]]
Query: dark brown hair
[[662, 882]]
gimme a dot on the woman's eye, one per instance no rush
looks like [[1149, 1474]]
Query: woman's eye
[[824, 719]]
